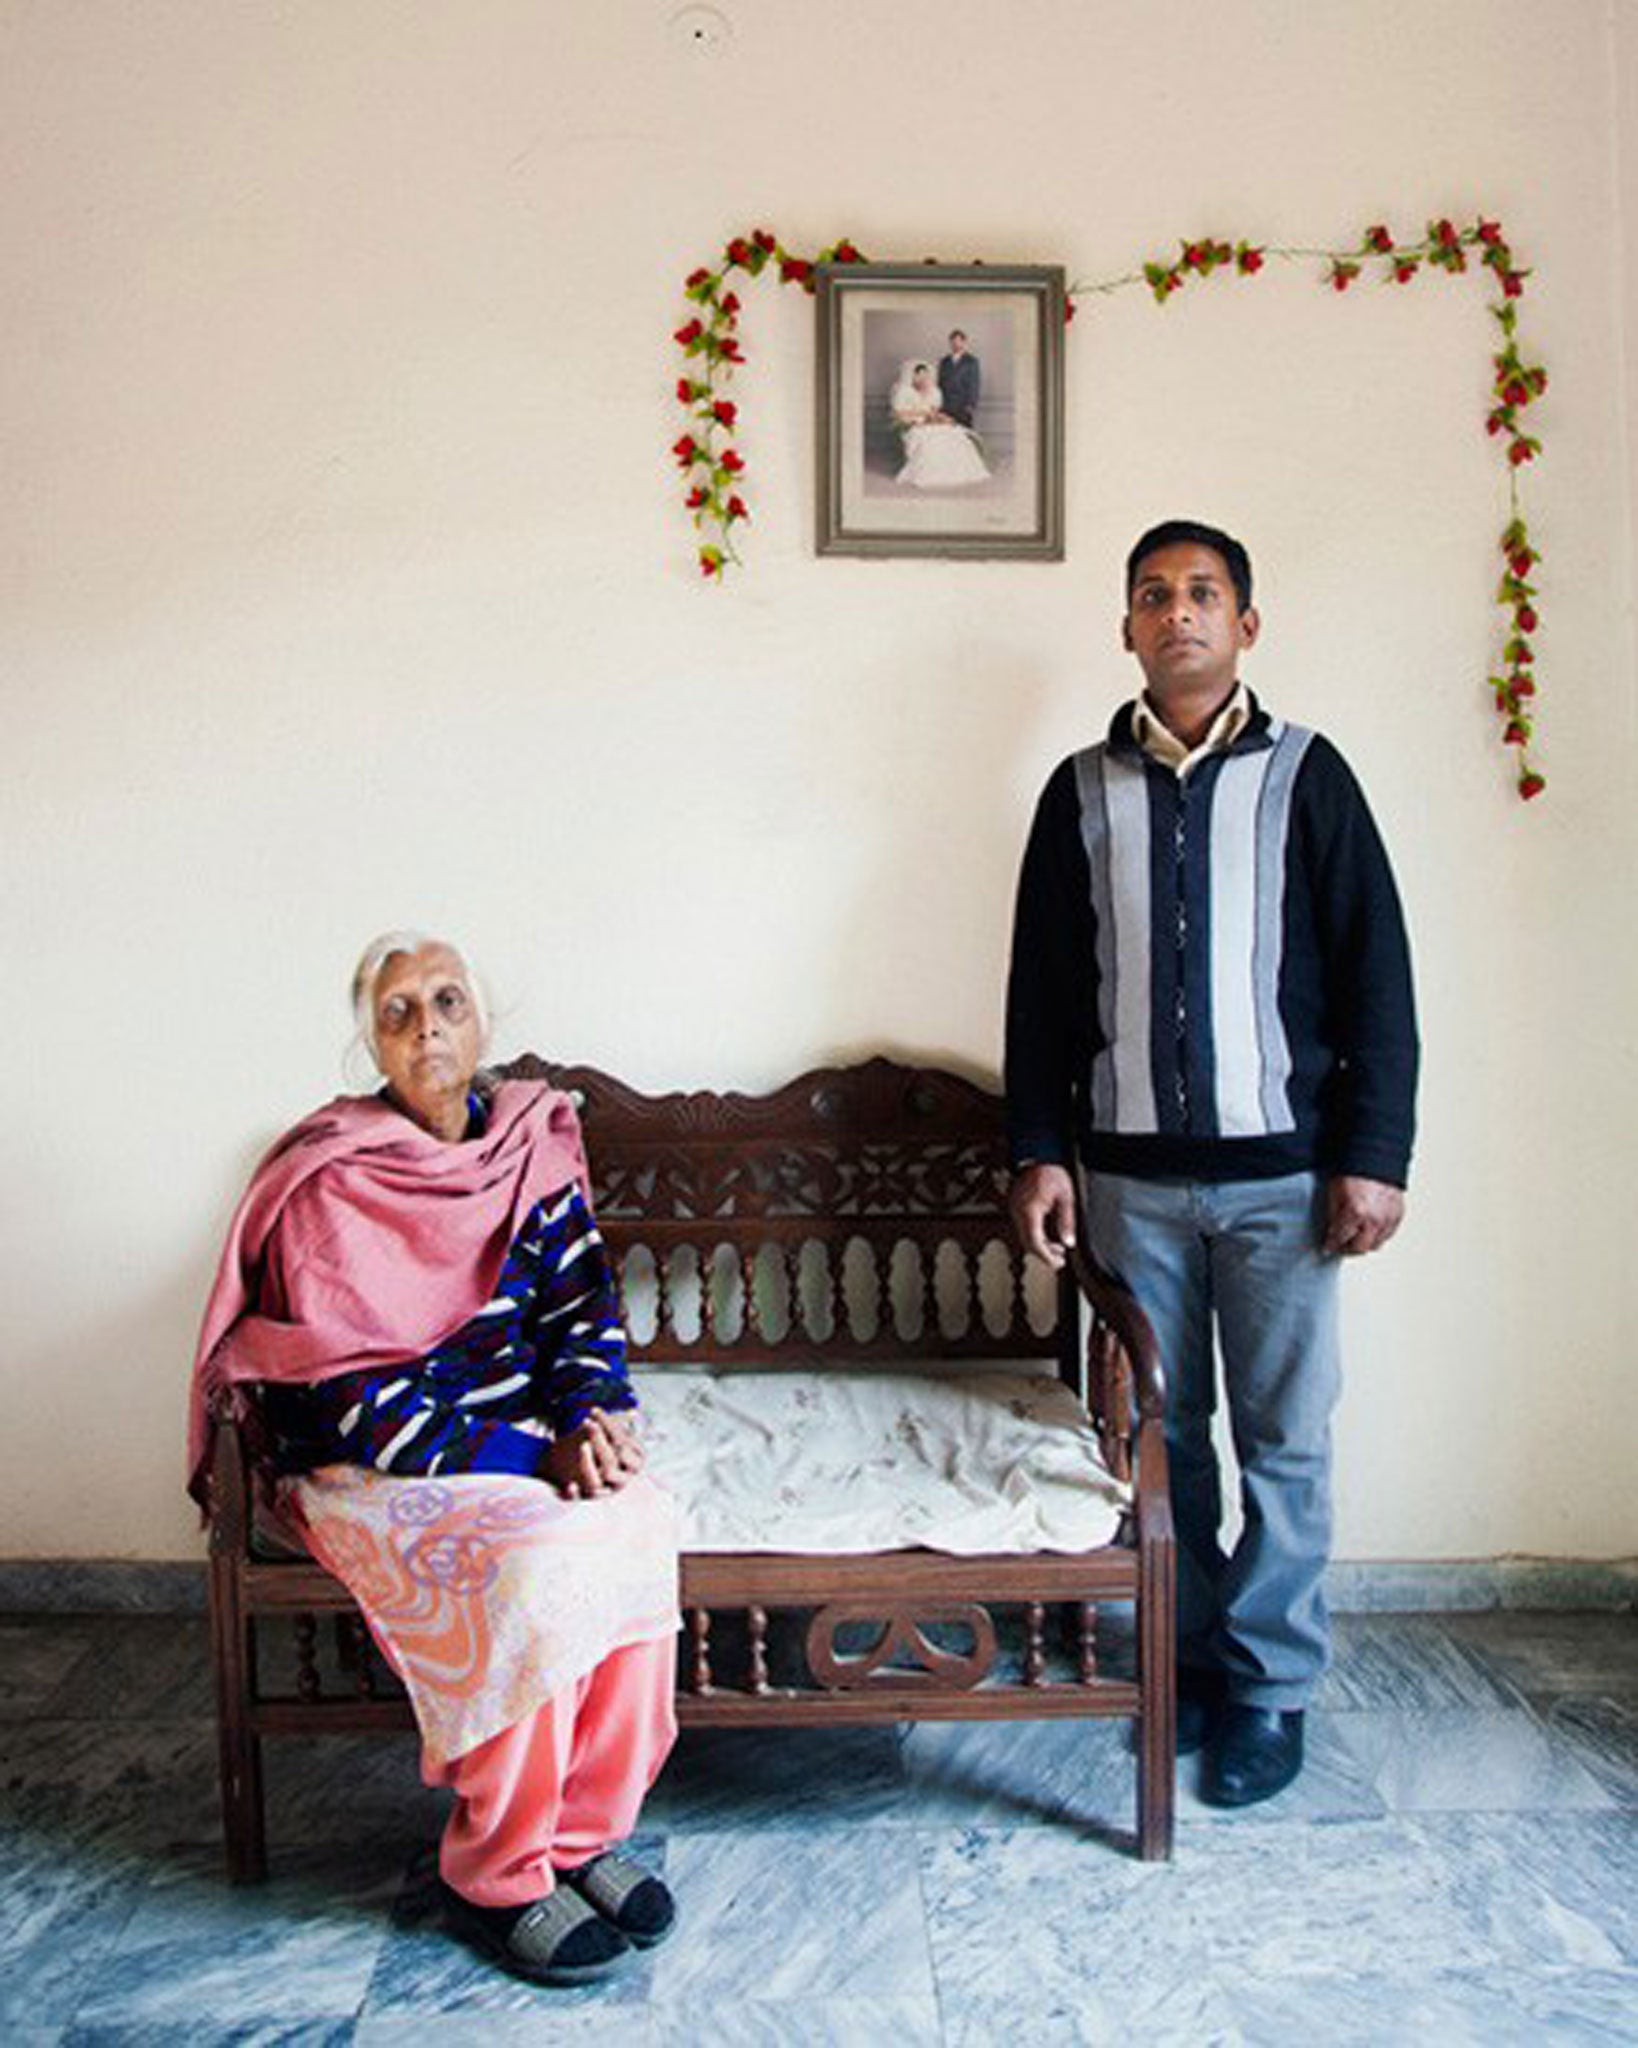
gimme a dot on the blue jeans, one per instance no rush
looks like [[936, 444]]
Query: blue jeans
[[1243, 1257]]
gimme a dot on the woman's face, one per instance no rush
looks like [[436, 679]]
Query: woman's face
[[923, 378], [428, 1038]]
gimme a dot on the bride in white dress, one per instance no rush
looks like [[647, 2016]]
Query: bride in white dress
[[938, 452]]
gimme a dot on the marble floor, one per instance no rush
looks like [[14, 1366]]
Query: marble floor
[[1459, 1863]]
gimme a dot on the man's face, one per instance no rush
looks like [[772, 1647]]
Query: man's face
[[958, 344], [1184, 623]]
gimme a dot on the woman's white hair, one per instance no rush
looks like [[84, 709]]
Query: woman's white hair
[[387, 947]]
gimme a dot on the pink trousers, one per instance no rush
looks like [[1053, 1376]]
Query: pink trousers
[[561, 1785]]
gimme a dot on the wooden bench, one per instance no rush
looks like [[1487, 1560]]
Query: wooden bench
[[855, 1218]]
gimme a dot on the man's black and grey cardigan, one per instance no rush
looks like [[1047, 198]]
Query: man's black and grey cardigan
[[1210, 977]]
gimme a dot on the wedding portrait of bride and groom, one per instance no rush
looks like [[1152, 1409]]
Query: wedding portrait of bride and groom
[[933, 403]]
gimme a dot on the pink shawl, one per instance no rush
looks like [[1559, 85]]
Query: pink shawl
[[363, 1240]]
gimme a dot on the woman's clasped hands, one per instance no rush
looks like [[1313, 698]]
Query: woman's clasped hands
[[597, 1457]]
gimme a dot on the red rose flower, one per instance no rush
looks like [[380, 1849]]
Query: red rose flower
[[1519, 452], [793, 270], [691, 332], [710, 563], [731, 351], [1516, 391], [1522, 560], [685, 391], [1403, 272], [1524, 684], [696, 278], [730, 303], [1379, 239], [846, 253], [697, 497], [1069, 311], [685, 450], [1525, 618], [1249, 260], [725, 412], [765, 241], [737, 509], [1531, 785], [1194, 255], [1343, 275], [1516, 734], [731, 461], [739, 251], [1444, 233], [1513, 283], [1490, 232]]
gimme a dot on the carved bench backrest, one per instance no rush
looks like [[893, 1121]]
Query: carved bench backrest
[[856, 1215]]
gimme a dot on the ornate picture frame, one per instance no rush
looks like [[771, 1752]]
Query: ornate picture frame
[[941, 410]]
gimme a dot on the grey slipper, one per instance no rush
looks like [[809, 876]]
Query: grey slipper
[[560, 1939], [630, 1898]]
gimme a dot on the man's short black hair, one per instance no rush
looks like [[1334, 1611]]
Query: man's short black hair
[[958, 334], [1171, 533]]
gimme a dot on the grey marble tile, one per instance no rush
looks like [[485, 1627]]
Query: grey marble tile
[[140, 1667], [36, 1655], [300, 1948], [839, 2022], [770, 1918], [1403, 1586], [1542, 1655], [1569, 1583], [59, 1913], [67, 1786], [1603, 1734], [1467, 1760], [546, 2017], [1080, 1774], [328, 1785], [1028, 1912], [426, 1967], [1453, 2008], [1575, 1876], [203, 2034], [1406, 1660], [778, 1778]]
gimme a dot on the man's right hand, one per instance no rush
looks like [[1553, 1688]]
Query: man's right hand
[[1042, 1203]]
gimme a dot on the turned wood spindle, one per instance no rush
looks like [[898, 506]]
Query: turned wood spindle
[[307, 1675], [1034, 1642], [699, 1629], [1089, 1642], [747, 1280], [757, 1621]]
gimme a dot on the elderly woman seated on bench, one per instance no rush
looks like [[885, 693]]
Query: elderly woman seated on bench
[[415, 1298]]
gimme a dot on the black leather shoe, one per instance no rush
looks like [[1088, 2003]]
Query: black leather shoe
[[1257, 1753]]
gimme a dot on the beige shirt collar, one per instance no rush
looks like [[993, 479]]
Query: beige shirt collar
[[1161, 744]]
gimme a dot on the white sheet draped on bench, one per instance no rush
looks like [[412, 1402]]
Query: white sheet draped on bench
[[968, 1462]]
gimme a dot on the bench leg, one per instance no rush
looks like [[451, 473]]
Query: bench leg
[[239, 1747], [1157, 1679]]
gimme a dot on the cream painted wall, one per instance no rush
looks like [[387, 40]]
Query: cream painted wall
[[345, 585]]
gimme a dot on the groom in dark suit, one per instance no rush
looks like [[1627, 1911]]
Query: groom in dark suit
[[958, 377]]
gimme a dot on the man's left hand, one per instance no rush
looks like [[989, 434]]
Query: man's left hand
[[1360, 1214]]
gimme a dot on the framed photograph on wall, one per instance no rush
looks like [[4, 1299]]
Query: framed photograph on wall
[[941, 410]]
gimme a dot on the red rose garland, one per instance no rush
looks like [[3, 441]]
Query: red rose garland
[[714, 469]]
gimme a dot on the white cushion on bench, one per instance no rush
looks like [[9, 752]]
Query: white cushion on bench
[[828, 1461]]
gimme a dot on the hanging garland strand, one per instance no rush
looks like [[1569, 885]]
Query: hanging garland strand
[[714, 469]]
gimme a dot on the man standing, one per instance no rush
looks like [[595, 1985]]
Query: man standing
[[958, 381], [1210, 1005]]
